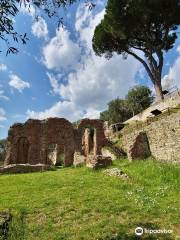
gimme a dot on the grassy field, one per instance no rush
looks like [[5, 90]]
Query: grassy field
[[79, 203]]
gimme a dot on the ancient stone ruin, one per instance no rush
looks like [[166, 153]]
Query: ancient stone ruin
[[158, 138], [55, 141], [140, 147]]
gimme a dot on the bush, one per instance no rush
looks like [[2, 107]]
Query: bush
[[2, 150]]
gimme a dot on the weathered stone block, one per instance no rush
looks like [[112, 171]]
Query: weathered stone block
[[140, 147], [99, 161], [107, 153], [79, 159]]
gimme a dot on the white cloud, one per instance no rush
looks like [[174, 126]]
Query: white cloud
[[86, 23], [82, 17], [2, 96], [54, 83], [99, 81], [92, 114], [39, 28], [2, 115], [172, 79], [60, 109], [28, 9], [18, 83], [61, 53], [95, 80], [3, 67]]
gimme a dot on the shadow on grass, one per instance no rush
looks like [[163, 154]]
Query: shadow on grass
[[12, 226]]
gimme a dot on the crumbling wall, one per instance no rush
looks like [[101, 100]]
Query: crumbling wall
[[139, 148], [163, 136], [31, 131], [99, 138], [44, 142], [31, 142]]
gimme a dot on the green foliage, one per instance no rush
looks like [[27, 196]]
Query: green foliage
[[17, 227], [137, 23], [78, 203], [9, 9], [119, 110], [148, 26], [139, 98], [2, 150], [104, 116]]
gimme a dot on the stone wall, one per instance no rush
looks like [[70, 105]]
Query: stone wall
[[46, 141], [98, 138], [33, 141], [163, 135]]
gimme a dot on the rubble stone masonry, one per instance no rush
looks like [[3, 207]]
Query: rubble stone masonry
[[163, 136], [46, 141]]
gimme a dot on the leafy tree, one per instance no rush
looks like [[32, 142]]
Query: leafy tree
[[10, 8], [118, 111], [2, 150], [137, 28], [104, 116], [139, 98]]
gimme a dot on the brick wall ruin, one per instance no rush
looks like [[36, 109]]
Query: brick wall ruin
[[55, 141], [52, 140]]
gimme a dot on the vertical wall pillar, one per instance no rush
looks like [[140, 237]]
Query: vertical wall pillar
[[95, 142]]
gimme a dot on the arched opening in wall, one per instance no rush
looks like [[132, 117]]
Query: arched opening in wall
[[60, 159], [88, 140], [52, 154], [23, 150]]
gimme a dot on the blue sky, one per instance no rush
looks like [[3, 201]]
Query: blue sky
[[57, 74]]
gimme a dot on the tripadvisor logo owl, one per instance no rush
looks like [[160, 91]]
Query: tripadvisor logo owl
[[139, 231]]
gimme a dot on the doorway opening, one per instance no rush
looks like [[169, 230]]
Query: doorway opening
[[23, 150], [88, 141], [52, 154], [60, 160], [55, 155]]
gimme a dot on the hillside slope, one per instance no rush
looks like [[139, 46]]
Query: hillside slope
[[79, 203]]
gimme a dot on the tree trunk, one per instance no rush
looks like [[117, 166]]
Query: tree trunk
[[156, 75], [158, 89], [153, 69]]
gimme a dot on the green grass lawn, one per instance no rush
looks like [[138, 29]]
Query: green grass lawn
[[79, 203]]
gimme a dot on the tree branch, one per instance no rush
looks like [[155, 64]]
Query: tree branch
[[143, 62]]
